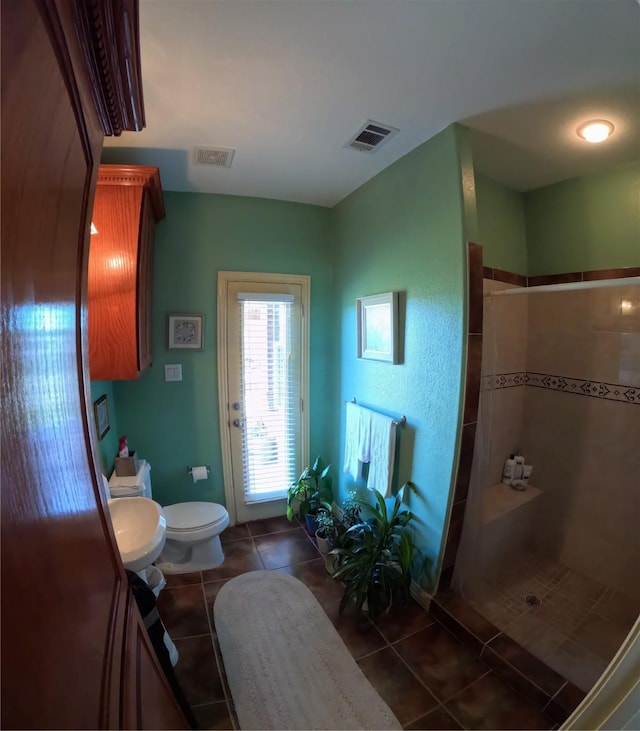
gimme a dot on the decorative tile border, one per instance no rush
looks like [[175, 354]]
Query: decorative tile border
[[582, 387], [578, 386], [503, 380]]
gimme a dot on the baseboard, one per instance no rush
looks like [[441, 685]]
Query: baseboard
[[420, 595]]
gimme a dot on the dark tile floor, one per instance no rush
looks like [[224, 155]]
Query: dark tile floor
[[428, 679]]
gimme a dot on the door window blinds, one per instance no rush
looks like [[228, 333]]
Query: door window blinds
[[271, 393]]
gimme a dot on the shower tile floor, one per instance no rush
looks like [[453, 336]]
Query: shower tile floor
[[426, 676], [576, 628]]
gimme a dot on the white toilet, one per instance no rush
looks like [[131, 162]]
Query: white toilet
[[193, 528], [193, 537]]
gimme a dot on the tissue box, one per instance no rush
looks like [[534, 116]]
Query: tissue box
[[127, 466]]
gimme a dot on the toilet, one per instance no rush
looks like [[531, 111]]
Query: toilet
[[193, 528], [193, 537]]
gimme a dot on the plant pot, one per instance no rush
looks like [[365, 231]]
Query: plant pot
[[311, 524], [323, 544]]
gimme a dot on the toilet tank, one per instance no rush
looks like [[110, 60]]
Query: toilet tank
[[137, 486]]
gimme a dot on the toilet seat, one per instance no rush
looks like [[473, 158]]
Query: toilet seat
[[200, 518]]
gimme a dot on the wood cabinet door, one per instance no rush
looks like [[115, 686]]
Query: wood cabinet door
[[67, 625], [113, 283]]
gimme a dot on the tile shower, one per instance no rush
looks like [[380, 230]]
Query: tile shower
[[555, 567]]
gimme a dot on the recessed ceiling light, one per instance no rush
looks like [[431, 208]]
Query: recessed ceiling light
[[596, 130]]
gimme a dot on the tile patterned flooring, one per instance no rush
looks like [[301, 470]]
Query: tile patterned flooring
[[427, 677], [576, 629]]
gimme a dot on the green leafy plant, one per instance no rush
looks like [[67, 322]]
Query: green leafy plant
[[328, 525], [376, 557], [312, 490]]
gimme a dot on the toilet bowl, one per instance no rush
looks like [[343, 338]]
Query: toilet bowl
[[193, 528], [193, 537]]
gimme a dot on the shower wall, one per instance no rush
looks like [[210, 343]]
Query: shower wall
[[581, 429], [561, 384]]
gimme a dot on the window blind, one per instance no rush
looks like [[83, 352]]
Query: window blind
[[270, 381]]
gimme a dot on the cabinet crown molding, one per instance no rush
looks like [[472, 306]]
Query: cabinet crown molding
[[136, 175], [110, 39]]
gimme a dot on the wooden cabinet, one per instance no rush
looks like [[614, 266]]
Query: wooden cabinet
[[127, 205]]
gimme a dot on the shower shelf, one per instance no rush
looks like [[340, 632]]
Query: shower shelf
[[501, 499]]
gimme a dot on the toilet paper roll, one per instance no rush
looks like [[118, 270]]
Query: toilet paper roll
[[199, 473]]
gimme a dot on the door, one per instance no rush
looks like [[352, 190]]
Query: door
[[265, 386], [74, 654]]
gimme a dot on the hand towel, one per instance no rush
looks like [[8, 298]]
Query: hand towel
[[382, 453], [357, 437]]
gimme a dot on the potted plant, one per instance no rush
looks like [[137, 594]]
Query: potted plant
[[327, 531], [351, 511], [312, 491], [332, 530], [376, 558]]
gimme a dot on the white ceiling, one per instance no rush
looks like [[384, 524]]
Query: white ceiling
[[287, 82]]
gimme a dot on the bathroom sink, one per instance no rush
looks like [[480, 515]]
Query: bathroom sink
[[140, 528]]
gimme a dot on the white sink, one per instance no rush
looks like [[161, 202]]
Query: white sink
[[140, 528]]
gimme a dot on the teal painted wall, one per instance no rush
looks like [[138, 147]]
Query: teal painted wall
[[404, 230], [108, 447], [592, 222], [174, 425], [501, 224]]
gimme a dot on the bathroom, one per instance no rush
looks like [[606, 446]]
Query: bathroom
[[174, 425], [406, 229]]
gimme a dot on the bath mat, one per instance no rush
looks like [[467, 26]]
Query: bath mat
[[286, 665]]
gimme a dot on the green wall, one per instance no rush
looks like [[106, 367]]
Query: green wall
[[174, 425], [108, 447], [501, 226], [404, 230], [592, 222]]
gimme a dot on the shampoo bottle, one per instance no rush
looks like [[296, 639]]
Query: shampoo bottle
[[518, 468], [508, 471]]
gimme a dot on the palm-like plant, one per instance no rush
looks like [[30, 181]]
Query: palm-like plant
[[375, 565], [312, 490]]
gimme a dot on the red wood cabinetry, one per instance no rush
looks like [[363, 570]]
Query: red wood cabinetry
[[127, 205]]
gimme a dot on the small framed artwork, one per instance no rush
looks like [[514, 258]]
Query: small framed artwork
[[378, 327], [101, 413], [186, 331]]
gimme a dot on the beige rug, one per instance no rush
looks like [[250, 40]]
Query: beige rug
[[286, 665]]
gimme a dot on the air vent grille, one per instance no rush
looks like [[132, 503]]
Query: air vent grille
[[371, 136], [218, 156]]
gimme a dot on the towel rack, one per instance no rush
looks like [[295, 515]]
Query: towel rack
[[398, 422]]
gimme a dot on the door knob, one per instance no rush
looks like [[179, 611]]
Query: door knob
[[235, 406], [237, 422]]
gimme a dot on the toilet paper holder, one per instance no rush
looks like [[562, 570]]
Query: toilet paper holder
[[190, 470]]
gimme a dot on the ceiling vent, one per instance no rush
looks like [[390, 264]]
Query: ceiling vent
[[371, 136], [218, 156]]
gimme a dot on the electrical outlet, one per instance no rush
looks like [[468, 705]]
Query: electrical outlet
[[173, 372]]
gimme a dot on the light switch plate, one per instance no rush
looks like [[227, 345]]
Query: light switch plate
[[173, 372]]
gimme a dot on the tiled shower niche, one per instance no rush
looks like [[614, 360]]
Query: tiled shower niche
[[555, 567]]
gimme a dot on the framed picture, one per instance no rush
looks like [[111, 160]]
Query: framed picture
[[101, 413], [378, 327], [186, 331]]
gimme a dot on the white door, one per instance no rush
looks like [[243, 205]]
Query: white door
[[263, 361]]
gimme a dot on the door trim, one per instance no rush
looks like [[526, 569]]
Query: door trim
[[304, 280]]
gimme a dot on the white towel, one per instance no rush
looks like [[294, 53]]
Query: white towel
[[357, 438], [382, 453]]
